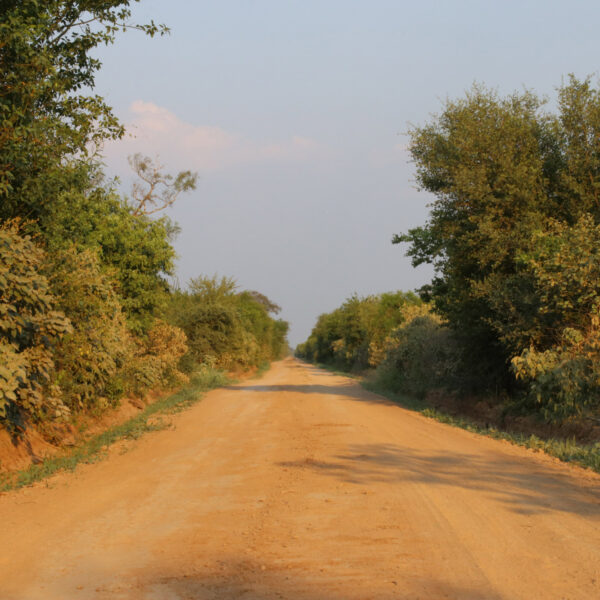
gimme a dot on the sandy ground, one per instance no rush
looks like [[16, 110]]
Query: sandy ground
[[302, 485]]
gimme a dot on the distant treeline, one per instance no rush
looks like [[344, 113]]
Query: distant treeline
[[395, 333], [513, 311], [87, 315]]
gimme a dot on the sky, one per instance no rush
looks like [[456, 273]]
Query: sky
[[295, 113]]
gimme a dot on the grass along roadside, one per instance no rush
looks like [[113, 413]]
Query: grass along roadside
[[336, 371], [96, 447], [261, 370], [567, 450]]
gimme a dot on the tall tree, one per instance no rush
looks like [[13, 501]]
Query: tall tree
[[501, 170], [49, 128]]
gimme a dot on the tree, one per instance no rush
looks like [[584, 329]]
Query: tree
[[501, 170], [562, 367], [268, 304], [354, 335], [90, 357], [137, 249], [229, 328], [48, 127]]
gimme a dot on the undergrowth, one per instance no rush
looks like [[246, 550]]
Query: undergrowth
[[567, 450], [262, 369], [95, 448], [337, 371]]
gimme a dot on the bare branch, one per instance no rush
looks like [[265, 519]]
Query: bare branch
[[157, 190]]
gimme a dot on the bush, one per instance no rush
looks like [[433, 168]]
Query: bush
[[156, 361], [561, 366], [229, 328], [90, 357], [512, 237], [137, 249], [101, 360], [420, 355], [30, 327], [353, 336]]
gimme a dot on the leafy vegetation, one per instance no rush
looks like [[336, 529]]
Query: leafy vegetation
[[512, 314], [397, 334], [49, 128], [30, 328], [355, 335], [87, 315], [513, 237], [228, 328]]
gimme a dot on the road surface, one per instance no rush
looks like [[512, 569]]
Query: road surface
[[302, 485]]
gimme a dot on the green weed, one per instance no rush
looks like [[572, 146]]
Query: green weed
[[336, 371], [262, 369]]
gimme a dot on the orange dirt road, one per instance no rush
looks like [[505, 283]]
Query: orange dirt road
[[301, 485]]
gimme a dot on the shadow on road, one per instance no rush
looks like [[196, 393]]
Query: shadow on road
[[514, 482], [242, 578], [348, 390]]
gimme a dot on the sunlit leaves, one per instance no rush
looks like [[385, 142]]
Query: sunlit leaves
[[30, 326], [506, 174], [49, 125], [227, 328]]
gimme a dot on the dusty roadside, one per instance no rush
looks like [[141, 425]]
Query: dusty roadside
[[303, 485], [32, 447]]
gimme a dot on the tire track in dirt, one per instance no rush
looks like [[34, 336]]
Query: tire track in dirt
[[302, 485]]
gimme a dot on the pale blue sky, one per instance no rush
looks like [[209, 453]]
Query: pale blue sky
[[293, 114]]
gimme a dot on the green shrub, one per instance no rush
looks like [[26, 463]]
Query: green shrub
[[228, 328], [156, 360], [353, 336], [512, 235], [30, 327], [421, 355], [561, 366], [90, 357], [137, 249]]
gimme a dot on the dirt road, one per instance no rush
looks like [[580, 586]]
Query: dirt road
[[301, 485]]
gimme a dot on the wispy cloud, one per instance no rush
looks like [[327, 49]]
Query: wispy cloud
[[155, 130]]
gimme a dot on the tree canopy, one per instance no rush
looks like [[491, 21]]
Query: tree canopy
[[49, 125], [86, 309], [511, 182]]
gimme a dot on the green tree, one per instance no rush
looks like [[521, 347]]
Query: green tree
[[226, 327], [500, 169], [138, 249], [354, 335], [562, 366], [90, 357], [48, 127]]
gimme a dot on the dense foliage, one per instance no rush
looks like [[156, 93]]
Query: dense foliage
[[513, 311], [87, 315], [227, 328], [30, 327], [99, 345], [513, 238], [354, 336], [48, 126], [395, 333]]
